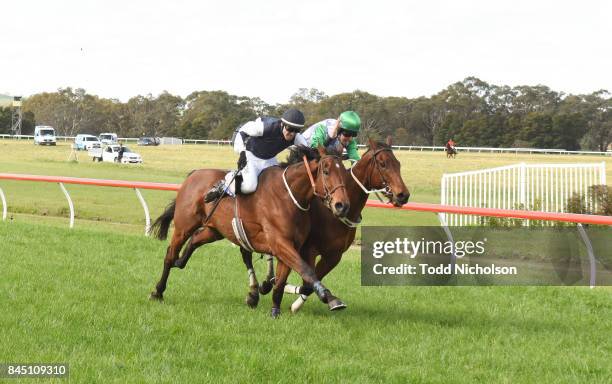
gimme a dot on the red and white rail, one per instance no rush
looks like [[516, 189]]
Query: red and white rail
[[425, 207], [61, 180]]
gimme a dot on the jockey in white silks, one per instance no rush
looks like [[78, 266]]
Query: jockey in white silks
[[258, 142]]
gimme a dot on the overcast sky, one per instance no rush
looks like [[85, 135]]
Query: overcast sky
[[270, 48]]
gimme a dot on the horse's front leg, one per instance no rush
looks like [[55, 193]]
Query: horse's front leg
[[325, 265], [268, 283], [282, 272], [252, 298], [308, 253], [288, 255]]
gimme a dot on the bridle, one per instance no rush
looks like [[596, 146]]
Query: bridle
[[386, 190], [327, 191]]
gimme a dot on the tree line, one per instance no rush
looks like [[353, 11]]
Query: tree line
[[472, 112]]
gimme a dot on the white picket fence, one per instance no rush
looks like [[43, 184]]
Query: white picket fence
[[540, 187]]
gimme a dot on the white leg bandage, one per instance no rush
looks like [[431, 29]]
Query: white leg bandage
[[293, 289], [297, 304], [252, 277]]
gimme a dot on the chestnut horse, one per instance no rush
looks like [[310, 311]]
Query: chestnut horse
[[273, 216], [377, 171]]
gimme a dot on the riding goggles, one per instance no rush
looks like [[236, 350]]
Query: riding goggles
[[346, 132], [292, 129]]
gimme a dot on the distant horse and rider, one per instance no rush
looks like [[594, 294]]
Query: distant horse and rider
[[308, 206], [451, 151]]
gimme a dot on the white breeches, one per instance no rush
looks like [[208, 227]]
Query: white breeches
[[250, 173]]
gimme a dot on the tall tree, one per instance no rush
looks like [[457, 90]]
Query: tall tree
[[471, 111], [598, 113], [215, 114]]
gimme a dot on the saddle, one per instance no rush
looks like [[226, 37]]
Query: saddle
[[239, 230]]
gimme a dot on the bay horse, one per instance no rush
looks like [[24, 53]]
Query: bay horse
[[378, 170], [273, 216], [451, 152]]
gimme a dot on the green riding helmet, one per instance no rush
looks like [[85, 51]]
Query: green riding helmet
[[350, 121]]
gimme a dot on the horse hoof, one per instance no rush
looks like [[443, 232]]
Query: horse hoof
[[178, 264], [336, 305], [156, 296], [325, 298], [252, 299], [275, 313], [265, 287], [322, 293]]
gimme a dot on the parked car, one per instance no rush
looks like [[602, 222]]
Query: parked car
[[44, 135], [108, 138], [148, 141], [110, 153], [85, 142]]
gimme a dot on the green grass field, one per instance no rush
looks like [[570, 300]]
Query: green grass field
[[81, 296]]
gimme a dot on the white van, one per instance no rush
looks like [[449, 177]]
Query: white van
[[44, 135], [108, 138], [85, 142]]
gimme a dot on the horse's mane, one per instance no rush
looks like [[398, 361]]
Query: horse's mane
[[297, 152], [379, 144]]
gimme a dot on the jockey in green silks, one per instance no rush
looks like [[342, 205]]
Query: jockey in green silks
[[337, 134]]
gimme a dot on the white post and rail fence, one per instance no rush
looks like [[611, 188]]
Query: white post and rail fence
[[420, 148], [534, 187]]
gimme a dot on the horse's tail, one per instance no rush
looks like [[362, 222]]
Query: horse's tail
[[161, 226]]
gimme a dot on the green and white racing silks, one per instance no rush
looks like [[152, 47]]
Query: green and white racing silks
[[321, 134]]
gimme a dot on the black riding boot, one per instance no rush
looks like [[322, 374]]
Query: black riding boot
[[215, 192]]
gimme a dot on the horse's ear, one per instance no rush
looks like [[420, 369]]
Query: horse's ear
[[389, 140], [371, 143], [321, 150]]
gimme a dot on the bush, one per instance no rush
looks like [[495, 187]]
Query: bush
[[597, 202]]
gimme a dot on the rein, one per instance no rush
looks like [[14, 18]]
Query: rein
[[354, 224], [312, 183], [326, 197], [385, 189], [351, 224], [291, 193]]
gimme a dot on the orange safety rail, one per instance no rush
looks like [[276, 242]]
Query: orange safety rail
[[425, 207], [98, 182], [511, 213]]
